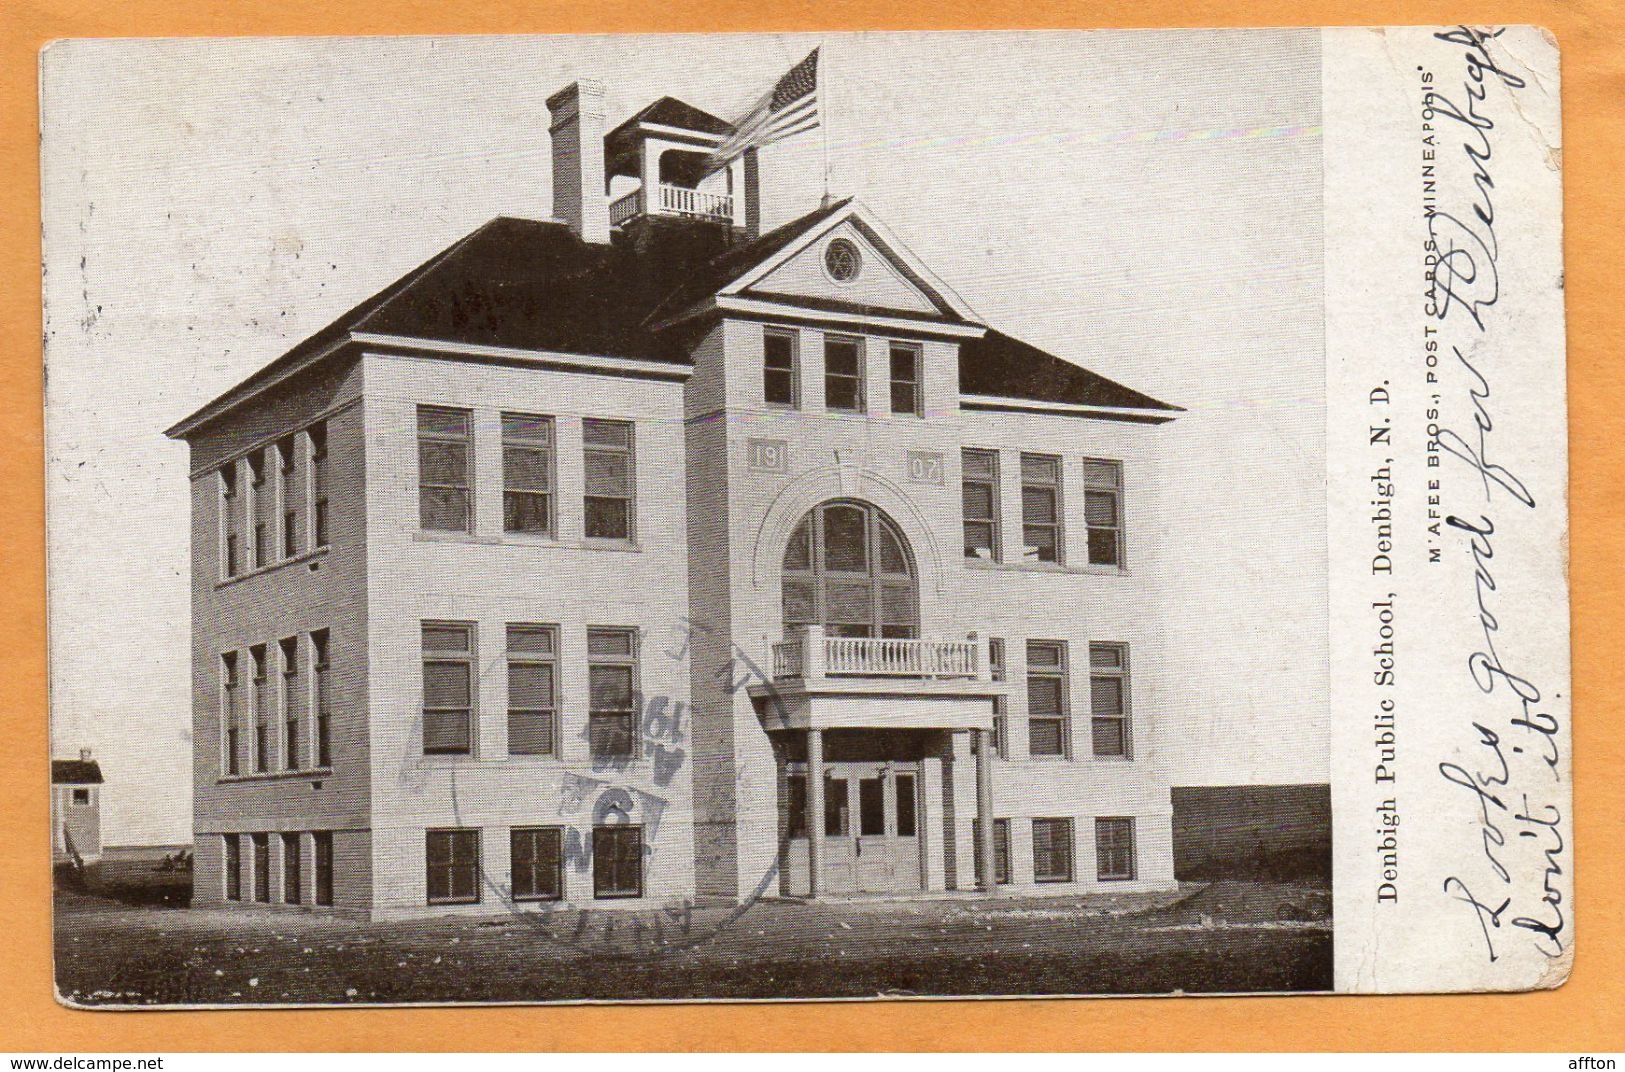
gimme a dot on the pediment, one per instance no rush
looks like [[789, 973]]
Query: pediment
[[881, 281]]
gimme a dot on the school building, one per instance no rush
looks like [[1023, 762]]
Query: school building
[[643, 555]]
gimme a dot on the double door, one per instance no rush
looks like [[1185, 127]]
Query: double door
[[871, 827]]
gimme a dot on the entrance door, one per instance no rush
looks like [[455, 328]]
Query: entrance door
[[838, 869], [873, 833], [871, 836]]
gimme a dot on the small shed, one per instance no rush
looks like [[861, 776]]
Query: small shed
[[76, 817]]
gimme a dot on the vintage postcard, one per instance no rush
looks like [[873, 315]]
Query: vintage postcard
[[556, 519]]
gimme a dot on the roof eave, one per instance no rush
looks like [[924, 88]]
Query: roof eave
[[246, 390], [1133, 414]]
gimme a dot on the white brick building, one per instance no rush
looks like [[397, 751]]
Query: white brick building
[[636, 557]]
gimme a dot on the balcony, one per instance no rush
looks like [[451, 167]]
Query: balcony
[[813, 655], [825, 682], [673, 201]]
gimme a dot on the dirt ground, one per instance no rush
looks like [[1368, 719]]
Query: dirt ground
[[117, 947]]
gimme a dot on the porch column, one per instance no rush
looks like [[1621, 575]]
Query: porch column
[[984, 810], [815, 809]]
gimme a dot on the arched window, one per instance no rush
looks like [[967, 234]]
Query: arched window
[[848, 569]]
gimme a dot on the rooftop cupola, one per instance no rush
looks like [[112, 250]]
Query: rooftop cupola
[[657, 164]]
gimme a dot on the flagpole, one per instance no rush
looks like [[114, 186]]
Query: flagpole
[[823, 106]]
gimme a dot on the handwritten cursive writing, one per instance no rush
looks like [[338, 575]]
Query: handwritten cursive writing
[[1517, 754]]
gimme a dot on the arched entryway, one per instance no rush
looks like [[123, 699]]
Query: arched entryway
[[848, 568]]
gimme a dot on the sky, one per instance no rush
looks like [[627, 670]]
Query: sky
[[1146, 204]]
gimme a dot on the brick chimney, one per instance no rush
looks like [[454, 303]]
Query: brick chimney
[[577, 131], [84, 755]]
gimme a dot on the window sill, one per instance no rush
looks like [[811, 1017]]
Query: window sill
[[600, 543], [532, 540], [274, 566], [972, 562], [275, 776]]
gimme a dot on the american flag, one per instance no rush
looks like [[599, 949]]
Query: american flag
[[789, 108]]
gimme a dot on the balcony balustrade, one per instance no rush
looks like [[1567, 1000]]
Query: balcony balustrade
[[673, 201], [811, 655]]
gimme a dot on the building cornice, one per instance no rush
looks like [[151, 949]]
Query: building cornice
[[603, 364], [1001, 404], [699, 137], [637, 368], [248, 390], [759, 309]]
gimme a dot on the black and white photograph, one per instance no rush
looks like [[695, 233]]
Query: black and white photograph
[[742, 517]]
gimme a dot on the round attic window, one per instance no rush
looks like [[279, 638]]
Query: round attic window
[[842, 260]]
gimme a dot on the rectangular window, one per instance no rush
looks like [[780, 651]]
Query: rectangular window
[[1052, 850], [795, 804], [527, 473], [445, 449], [1103, 511], [1001, 850], [1041, 508], [453, 863], [532, 689], [871, 807], [843, 374], [321, 672], [907, 805], [1046, 698], [263, 508], [538, 863], [262, 709], [448, 688], [234, 867], [231, 710], [1108, 699], [229, 511], [318, 485], [293, 707], [612, 666], [292, 879], [905, 379], [779, 378], [81, 797], [287, 480], [1114, 850], [617, 861], [262, 867], [321, 843], [837, 810], [980, 482], [607, 458], [1001, 718]]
